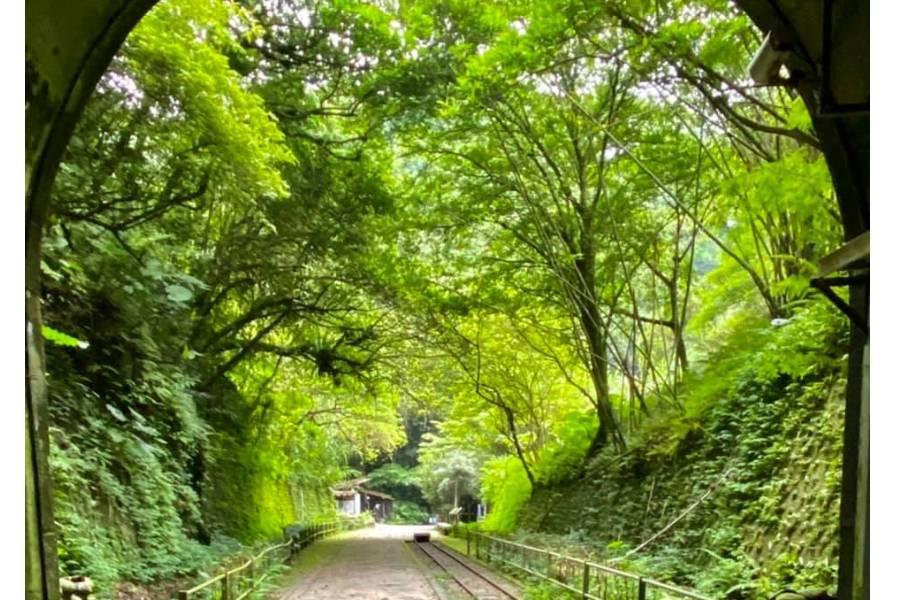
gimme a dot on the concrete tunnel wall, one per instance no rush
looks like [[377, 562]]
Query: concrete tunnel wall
[[68, 46]]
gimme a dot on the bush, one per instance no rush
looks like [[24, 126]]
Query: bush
[[461, 530], [123, 509], [366, 519], [563, 459], [506, 488], [408, 513]]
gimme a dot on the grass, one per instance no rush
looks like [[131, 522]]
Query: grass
[[454, 543]]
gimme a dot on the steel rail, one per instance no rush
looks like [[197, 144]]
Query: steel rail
[[452, 554], [466, 588]]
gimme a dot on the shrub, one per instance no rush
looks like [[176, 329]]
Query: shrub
[[506, 488], [563, 458], [408, 512]]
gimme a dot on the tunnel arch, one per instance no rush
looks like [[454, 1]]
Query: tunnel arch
[[69, 47]]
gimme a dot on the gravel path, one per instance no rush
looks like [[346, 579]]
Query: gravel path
[[368, 564]]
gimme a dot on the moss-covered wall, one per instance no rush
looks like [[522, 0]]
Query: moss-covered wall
[[246, 502], [245, 494], [313, 503]]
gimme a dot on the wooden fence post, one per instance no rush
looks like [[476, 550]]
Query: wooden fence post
[[468, 543], [585, 580], [642, 589], [226, 592]]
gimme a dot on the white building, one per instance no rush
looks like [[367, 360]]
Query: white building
[[353, 500]]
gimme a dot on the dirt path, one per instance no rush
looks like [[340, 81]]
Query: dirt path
[[369, 564]]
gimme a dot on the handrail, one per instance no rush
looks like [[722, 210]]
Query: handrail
[[591, 580], [234, 579]]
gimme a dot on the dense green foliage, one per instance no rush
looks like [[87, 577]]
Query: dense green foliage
[[408, 513], [548, 256]]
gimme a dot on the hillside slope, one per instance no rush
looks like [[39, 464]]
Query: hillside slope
[[740, 500]]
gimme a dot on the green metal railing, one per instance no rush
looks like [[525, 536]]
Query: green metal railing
[[585, 578], [239, 582]]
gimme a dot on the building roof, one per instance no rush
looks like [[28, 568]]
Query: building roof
[[346, 489], [376, 494], [350, 484]]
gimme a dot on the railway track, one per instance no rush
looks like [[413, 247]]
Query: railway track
[[472, 581]]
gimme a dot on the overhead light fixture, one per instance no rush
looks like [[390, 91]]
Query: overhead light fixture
[[766, 66]]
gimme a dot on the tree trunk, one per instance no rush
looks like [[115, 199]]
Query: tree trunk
[[520, 452], [677, 326], [591, 325]]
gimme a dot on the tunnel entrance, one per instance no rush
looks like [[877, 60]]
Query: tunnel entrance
[[61, 75]]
